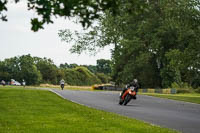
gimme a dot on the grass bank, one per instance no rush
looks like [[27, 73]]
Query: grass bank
[[190, 97], [40, 111]]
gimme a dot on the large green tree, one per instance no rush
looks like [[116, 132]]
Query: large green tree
[[4, 73], [154, 41], [20, 68], [104, 66], [162, 41], [28, 70], [47, 69]]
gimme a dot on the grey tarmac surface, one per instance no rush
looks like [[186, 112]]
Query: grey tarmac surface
[[181, 116]]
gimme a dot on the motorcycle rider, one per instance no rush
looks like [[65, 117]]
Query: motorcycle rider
[[3, 82], [134, 84], [62, 83], [23, 83]]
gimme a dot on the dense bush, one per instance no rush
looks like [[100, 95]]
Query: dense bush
[[184, 90], [197, 90], [80, 76], [104, 78], [182, 87]]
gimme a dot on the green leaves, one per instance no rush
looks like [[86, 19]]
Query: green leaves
[[35, 70], [36, 24], [104, 66], [80, 76], [3, 8], [85, 10], [158, 40]]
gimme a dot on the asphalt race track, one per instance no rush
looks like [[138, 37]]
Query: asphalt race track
[[182, 116]]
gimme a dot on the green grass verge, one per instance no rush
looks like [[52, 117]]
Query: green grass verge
[[193, 97], [40, 111], [66, 87], [84, 88]]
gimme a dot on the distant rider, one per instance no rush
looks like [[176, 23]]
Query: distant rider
[[23, 83], [3, 82], [62, 83], [134, 84]]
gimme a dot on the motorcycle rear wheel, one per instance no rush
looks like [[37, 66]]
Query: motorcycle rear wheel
[[62, 86], [121, 101]]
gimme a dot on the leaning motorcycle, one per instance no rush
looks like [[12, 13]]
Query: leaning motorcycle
[[126, 97]]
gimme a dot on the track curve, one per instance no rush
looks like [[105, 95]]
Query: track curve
[[182, 116]]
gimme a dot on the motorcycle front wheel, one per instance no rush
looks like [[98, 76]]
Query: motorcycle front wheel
[[127, 99]]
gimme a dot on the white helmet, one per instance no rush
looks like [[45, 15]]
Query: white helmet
[[135, 80]]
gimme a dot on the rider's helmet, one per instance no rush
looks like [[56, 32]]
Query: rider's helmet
[[135, 80]]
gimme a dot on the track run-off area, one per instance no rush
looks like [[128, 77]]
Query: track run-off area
[[178, 115]]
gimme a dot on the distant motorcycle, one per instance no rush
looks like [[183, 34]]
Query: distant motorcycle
[[129, 94], [62, 86]]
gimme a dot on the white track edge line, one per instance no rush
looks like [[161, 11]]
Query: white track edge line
[[66, 98]]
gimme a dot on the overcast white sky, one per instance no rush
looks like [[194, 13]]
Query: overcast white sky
[[16, 38]]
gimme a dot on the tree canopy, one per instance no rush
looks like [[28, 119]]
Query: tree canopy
[[85, 10], [20, 68], [35, 70], [154, 41]]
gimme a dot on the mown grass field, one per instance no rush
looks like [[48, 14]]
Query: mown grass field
[[40, 111], [190, 97]]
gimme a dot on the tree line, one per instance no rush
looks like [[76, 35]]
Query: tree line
[[35, 70]]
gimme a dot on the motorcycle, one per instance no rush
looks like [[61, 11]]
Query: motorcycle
[[129, 94], [62, 86]]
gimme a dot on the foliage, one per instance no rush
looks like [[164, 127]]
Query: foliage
[[65, 65], [92, 68], [104, 78], [35, 70], [47, 69], [182, 87], [161, 41], [20, 68], [94, 39], [74, 65], [157, 42], [85, 10], [4, 74], [184, 91], [197, 90], [80, 76], [29, 71], [104, 66]]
